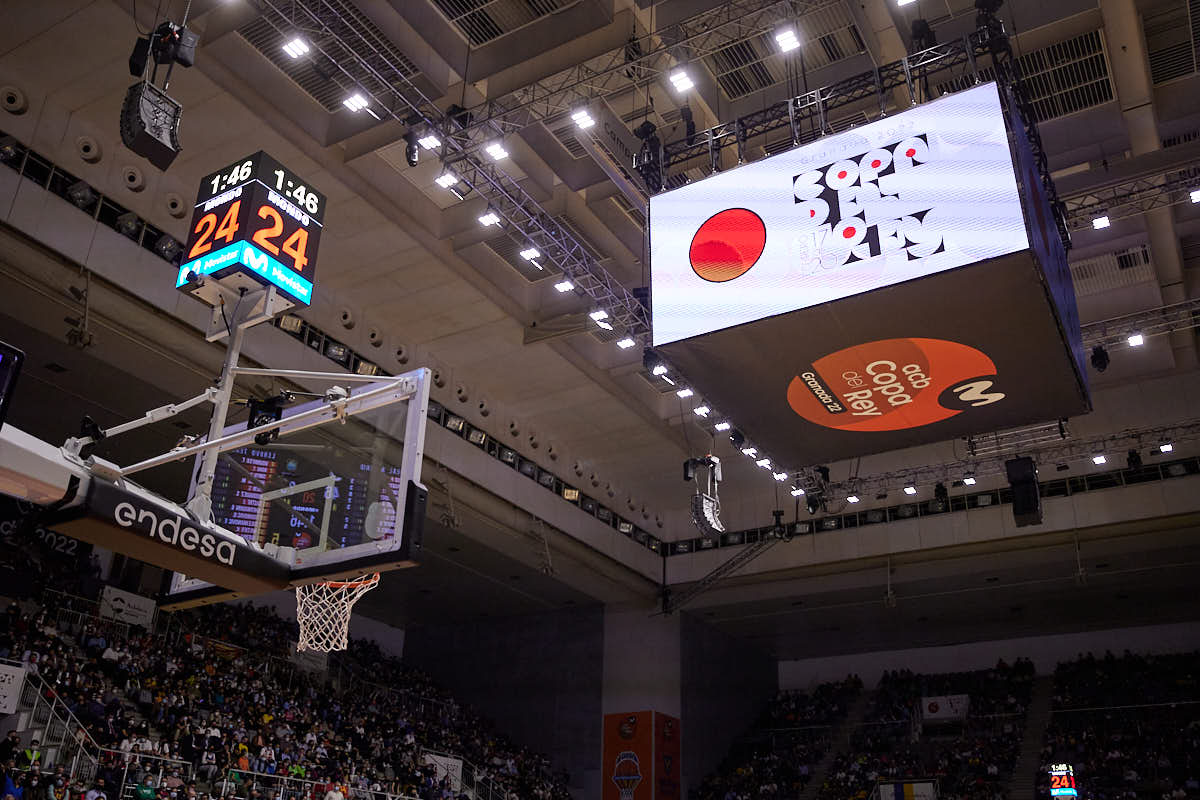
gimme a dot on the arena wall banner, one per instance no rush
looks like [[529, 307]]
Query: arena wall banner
[[667, 762], [627, 771], [897, 284], [945, 708], [448, 767], [12, 679], [127, 607]]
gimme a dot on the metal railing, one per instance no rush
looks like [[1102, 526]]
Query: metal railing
[[135, 767], [63, 739], [241, 783]]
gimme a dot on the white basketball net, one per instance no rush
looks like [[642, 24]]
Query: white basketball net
[[323, 611]]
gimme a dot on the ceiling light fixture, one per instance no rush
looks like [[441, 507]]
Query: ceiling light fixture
[[1165, 447], [910, 490], [355, 102], [1101, 222], [659, 370], [626, 343], [853, 498], [446, 179], [765, 463], [701, 411], [583, 119], [599, 314], [564, 286], [296, 47], [681, 80], [684, 393], [968, 480], [496, 151], [530, 253], [489, 218], [1136, 340], [750, 451], [797, 491], [779, 476], [722, 426], [1099, 459], [429, 142], [787, 40], [1196, 195]]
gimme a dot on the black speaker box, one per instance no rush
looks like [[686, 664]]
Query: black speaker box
[[150, 124], [1027, 500]]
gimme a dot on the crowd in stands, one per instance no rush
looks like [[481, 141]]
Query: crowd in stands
[[233, 714], [1129, 725], [775, 760]]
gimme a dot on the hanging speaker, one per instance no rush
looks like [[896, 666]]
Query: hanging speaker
[[1027, 500], [150, 124]]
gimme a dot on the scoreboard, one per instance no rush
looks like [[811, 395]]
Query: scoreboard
[[1062, 781], [256, 223]]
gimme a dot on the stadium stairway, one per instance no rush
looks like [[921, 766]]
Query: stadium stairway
[[1037, 718], [840, 744]]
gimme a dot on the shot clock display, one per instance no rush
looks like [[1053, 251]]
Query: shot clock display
[[255, 223], [1062, 781]]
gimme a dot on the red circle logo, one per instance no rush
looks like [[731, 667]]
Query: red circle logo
[[727, 245]]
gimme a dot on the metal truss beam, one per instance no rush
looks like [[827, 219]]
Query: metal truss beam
[[1133, 197], [677, 600], [357, 58], [1115, 332]]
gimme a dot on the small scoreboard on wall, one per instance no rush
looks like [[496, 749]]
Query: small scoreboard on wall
[[256, 223], [1062, 781]]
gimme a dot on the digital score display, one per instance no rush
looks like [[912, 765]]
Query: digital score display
[[922, 192], [1062, 781], [255, 223]]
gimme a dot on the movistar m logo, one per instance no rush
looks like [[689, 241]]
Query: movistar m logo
[[976, 393], [255, 260]]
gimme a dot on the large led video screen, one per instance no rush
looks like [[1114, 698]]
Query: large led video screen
[[925, 191]]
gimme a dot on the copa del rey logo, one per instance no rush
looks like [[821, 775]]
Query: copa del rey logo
[[850, 210]]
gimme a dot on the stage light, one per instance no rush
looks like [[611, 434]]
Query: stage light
[[1136, 340], [968, 480], [455, 424], [1101, 222], [853, 498], [583, 119], [570, 495], [681, 80], [355, 102], [429, 142], [750, 451], [1099, 358], [564, 286], [659, 370], [129, 225], [296, 47], [530, 253], [1165, 447], [489, 218], [1133, 459], [779, 476], [684, 393], [910, 490], [797, 491], [813, 504], [496, 151], [721, 426], [599, 314], [1099, 459], [787, 40], [701, 411], [940, 494], [168, 247], [81, 194], [1196, 195], [477, 437], [446, 179], [626, 343], [412, 152], [765, 463]]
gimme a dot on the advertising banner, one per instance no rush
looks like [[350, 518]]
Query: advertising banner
[[127, 607], [447, 767], [12, 679], [667, 762], [945, 708], [627, 772]]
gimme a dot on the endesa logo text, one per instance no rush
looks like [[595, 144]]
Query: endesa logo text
[[855, 209], [170, 530], [894, 384]]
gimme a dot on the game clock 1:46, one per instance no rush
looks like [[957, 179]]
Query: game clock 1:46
[[265, 170]]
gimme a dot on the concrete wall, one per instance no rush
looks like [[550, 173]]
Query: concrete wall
[[725, 685], [1046, 652], [538, 677]]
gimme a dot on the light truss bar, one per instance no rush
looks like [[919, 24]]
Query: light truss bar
[[1115, 332], [1131, 198], [392, 94], [677, 600], [637, 63]]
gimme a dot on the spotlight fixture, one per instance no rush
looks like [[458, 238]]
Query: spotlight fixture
[[489, 218], [681, 80], [660, 370], [721, 426], [684, 393], [296, 47], [412, 151], [626, 343], [496, 151], [786, 39], [750, 451], [564, 286], [599, 314], [1196, 195], [1133, 459], [852, 498], [968, 479], [910, 490], [765, 463], [1099, 459], [9, 149], [1136, 340], [583, 119], [797, 491], [429, 142], [446, 179], [940, 495], [1099, 358], [355, 102], [530, 253], [168, 247], [1101, 222], [129, 225], [1165, 447], [701, 411], [81, 194], [689, 124], [779, 476], [813, 504]]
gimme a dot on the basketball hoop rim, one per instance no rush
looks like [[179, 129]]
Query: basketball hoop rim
[[369, 580]]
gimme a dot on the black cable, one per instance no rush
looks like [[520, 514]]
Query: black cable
[[683, 424]]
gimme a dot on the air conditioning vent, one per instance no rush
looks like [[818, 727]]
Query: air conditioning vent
[[483, 20], [1172, 39], [1112, 270]]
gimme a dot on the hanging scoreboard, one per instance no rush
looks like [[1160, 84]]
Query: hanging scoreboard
[[1062, 781], [256, 223]]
